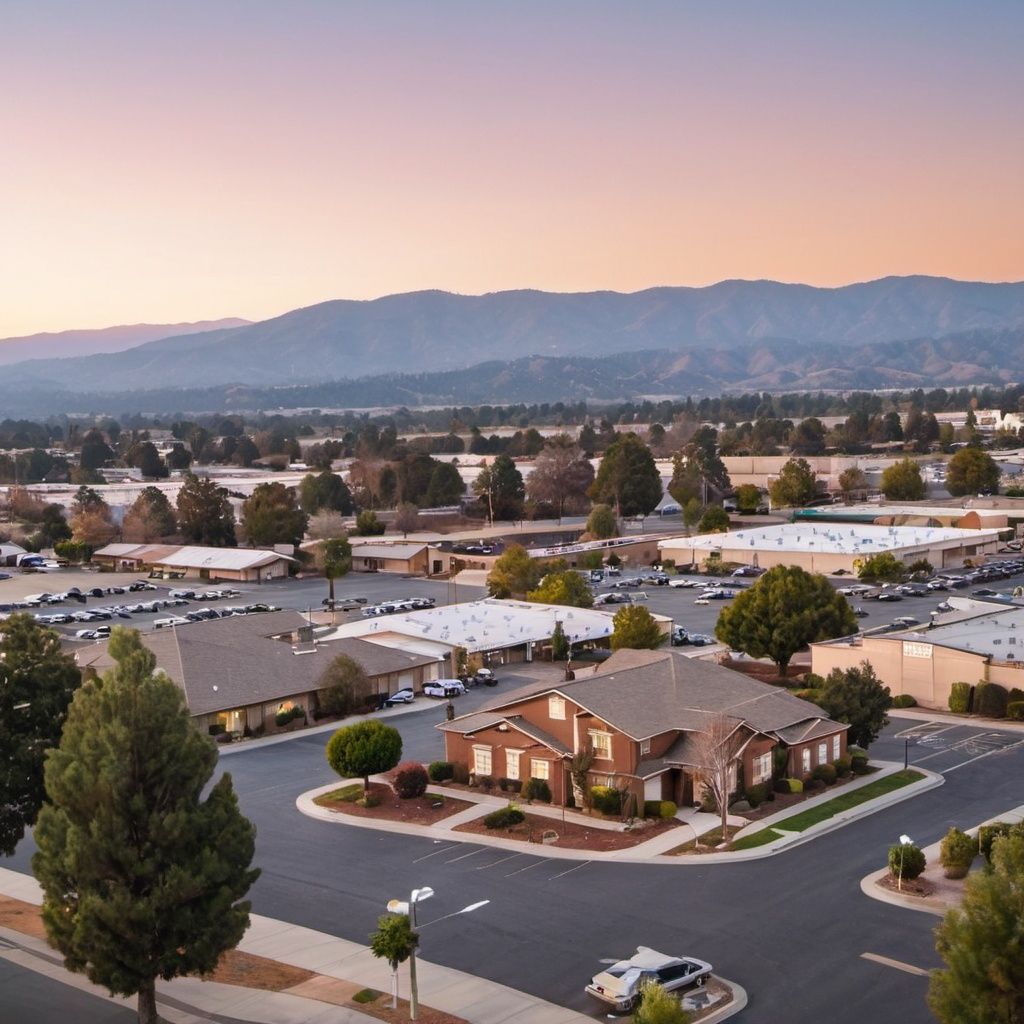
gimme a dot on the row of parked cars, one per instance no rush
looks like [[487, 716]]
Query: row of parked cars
[[412, 604], [444, 689]]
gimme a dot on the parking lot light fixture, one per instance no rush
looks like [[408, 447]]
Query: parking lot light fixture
[[905, 841]]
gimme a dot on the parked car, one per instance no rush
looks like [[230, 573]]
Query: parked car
[[748, 570], [859, 612], [613, 570], [680, 637], [889, 595], [621, 984], [403, 696], [702, 640], [486, 676], [170, 620], [683, 583], [906, 621], [655, 579], [444, 688]]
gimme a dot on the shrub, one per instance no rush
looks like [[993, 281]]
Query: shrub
[[907, 861], [990, 700], [1015, 710], [460, 773], [659, 809], [904, 700], [988, 834], [1015, 694], [859, 762], [224, 737], [370, 800], [960, 698], [75, 551], [536, 789], [605, 799], [282, 718], [440, 771], [503, 784], [781, 786], [843, 765], [825, 773], [795, 785], [813, 785], [957, 853], [504, 817], [217, 728], [811, 695], [756, 795], [485, 782], [410, 780]]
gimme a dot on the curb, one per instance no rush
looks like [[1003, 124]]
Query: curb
[[926, 904], [305, 805], [735, 1005]]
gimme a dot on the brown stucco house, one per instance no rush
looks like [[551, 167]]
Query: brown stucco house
[[640, 713]]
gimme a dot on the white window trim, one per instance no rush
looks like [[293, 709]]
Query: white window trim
[[835, 747], [762, 768], [645, 747], [593, 734], [480, 748], [822, 752], [805, 759], [512, 758], [554, 701], [534, 761]]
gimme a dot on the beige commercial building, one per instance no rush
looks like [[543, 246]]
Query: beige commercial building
[[979, 642], [833, 548]]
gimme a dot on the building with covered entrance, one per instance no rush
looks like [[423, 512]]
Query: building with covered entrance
[[252, 565], [642, 713]]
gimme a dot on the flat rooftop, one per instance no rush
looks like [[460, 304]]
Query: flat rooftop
[[834, 538], [485, 625], [999, 634]]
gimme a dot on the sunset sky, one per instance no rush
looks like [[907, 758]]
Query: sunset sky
[[212, 158]]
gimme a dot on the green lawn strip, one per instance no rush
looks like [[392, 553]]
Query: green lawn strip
[[765, 835], [347, 794], [813, 815]]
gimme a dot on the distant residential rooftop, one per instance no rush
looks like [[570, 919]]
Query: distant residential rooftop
[[837, 538]]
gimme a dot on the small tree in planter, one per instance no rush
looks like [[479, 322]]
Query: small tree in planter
[[394, 941], [659, 1007], [410, 780], [579, 768], [906, 862], [715, 750], [364, 749]]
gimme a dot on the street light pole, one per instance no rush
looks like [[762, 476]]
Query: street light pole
[[905, 841]]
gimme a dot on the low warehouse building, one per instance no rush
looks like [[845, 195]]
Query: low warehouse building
[[251, 565], [977, 642], [834, 548], [402, 558], [497, 632]]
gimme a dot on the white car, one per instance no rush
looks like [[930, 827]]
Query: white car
[[622, 983], [170, 620], [444, 688], [403, 696], [682, 582]]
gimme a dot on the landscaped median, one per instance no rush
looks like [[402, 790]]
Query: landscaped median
[[551, 832]]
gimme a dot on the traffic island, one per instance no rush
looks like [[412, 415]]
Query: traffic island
[[382, 803], [570, 834]]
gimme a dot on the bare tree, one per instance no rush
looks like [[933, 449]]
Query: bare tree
[[715, 751], [407, 518], [561, 475]]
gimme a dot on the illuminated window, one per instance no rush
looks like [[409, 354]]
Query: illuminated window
[[602, 744], [539, 769]]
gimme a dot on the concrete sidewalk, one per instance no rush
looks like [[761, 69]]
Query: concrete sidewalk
[[188, 1000]]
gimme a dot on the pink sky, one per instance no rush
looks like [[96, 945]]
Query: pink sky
[[245, 158]]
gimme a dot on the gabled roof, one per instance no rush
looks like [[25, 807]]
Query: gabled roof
[[193, 556], [387, 550], [222, 664], [466, 725], [648, 693]]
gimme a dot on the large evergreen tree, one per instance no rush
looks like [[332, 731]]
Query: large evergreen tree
[[37, 682], [271, 515], [142, 878], [627, 478], [205, 515], [325, 491], [786, 609], [972, 471]]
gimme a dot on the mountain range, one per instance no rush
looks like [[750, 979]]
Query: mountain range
[[102, 339], [432, 347]]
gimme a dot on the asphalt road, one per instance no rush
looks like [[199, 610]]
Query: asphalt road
[[792, 929], [30, 998]]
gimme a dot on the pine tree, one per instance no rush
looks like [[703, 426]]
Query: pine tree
[[37, 682], [142, 878]]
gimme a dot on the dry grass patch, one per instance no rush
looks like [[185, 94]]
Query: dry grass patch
[[571, 834], [422, 810]]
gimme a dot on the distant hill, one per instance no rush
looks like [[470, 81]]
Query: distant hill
[[975, 357], [103, 339], [426, 332]]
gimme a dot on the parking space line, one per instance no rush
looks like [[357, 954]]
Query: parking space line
[[494, 863], [988, 753], [537, 863], [472, 853], [925, 729], [570, 871], [886, 961], [436, 852]]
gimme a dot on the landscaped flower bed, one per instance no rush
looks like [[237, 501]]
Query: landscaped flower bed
[[421, 810], [571, 834]]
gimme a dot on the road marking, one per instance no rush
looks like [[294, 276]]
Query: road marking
[[898, 964], [989, 753], [436, 852], [570, 871], [472, 853], [926, 729], [493, 863], [535, 864]]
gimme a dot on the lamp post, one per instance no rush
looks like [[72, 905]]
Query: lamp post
[[409, 909], [905, 841]]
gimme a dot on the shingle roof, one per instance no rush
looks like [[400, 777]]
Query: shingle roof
[[387, 550], [230, 663], [647, 693]]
